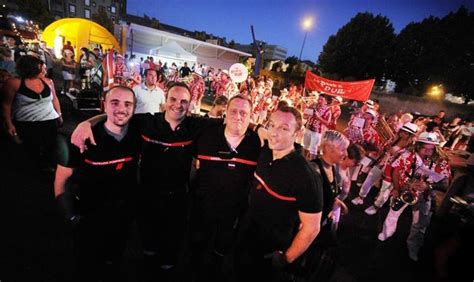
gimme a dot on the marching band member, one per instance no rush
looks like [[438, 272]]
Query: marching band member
[[369, 134], [404, 118], [120, 70], [261, 109], [197, 88], [392, 149], [224, 85], [316, 125], [416, 172], [354, 126], [247, 86], [335, 111], [361, 131]]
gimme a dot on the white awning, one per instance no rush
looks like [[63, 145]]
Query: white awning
[[142, 39], [173, 50]]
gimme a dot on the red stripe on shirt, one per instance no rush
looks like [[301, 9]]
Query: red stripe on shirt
[[271, 192], [217, 159]]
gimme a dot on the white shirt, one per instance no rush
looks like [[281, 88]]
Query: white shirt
[[148, 101]]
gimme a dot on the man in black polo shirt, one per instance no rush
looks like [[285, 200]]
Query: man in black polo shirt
[[167, 154], [227, 157], [285, 206], [103, 183]]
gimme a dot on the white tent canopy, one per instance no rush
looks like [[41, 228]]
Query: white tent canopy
[[172, 50], [143, 41]]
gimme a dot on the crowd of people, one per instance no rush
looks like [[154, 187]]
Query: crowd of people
[[254, 191]]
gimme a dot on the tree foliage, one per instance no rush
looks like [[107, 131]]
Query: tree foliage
[[431, 52], [103, 19], [37, 11], [292, 62], [437, 51], [360, 48], [151, 22]]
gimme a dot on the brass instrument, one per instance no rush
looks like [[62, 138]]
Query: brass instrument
[[384, 130], [407, 196]]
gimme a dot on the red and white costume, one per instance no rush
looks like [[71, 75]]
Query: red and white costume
[[409, 165], [197, 88]]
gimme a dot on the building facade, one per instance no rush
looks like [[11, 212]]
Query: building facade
[[270, 52], [115, 9], [87, 8]]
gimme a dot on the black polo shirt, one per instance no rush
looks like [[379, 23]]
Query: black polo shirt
[[105, 173], [166, 153], [280, 189], [224, 176]]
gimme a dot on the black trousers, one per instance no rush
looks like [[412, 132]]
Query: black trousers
[[162, 222], [213, 240], [39, 141], [255, 245], [99, 243]]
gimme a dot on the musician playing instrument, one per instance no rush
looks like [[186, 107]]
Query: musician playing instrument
[[360, 130], [354, 126], [391, 150], [417, 172], [197, 87], [120, 70], [369, 133], [316, 126], [335, 111], [223, 85]]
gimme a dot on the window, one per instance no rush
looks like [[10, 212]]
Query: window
[[87, 13], [113, 10], [87, 2], [72, 10]]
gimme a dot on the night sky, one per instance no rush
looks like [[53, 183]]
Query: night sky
[[280, 21]]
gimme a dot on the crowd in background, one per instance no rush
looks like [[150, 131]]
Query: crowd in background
[[405, 156]]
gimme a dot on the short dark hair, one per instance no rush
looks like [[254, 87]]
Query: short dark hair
[[173, 84], [123, 88], [242, 97], [369, 146], [355, 152], [282, 103], [221, 101], [297, 114], [28, 66], [150, 69]]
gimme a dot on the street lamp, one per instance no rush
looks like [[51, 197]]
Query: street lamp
[[436, 91], [306, 24]]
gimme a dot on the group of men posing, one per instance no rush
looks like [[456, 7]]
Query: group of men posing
[[255, 208]]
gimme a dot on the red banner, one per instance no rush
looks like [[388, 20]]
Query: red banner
[[353, 90], [109, 68]]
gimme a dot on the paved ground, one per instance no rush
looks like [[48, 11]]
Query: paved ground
[[36, 246]]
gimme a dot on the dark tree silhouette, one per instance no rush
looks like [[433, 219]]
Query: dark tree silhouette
[[360, 48]]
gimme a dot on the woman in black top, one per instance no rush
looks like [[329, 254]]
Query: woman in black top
[[31, 111], [321, 255]]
